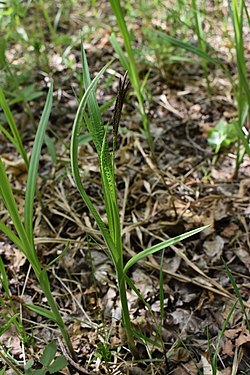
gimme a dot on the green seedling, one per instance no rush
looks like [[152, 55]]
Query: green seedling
[[222, 135], [49, 361], [104, 353], [111, 232], [23, 236]]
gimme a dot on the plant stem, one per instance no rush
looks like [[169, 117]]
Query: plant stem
[[125, 313], [10, 364], [45, 285]]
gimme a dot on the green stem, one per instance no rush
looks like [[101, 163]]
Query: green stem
[[47, 19], [125, 313], [10, 364], [45, 285]]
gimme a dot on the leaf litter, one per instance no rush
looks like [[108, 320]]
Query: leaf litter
[[197, 292]]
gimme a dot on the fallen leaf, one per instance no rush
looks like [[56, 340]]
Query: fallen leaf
[[243, 255], [228, 348], [230, 230], [213, 248], [232, 333], [207, 368], [243, 338]]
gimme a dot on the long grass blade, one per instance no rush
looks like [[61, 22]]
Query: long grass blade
[[153, 249], [16, 136], [237, 292], [188, 47], [74, 158], [96, 128], [8, 232], [10, 204], [216, 353], [4, 279], [33, 168], [119, 52]]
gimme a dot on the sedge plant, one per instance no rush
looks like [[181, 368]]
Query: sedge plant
[[23, 236], [111, 232]]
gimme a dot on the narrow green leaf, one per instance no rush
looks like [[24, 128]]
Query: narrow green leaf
[[7, 325], [162, 245], [74, 159], [137, 292], [42, 311], [17, 139], [144, 338], [216, 353], [188, 47], [120, 53], [10, 204], [4, 279], [131, 67], [7, 134], [237, 292], [33, 168]]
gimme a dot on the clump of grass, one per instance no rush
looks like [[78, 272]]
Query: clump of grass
[[111, 232], [23, 236]]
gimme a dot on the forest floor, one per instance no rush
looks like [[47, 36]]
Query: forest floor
[[190, 186]]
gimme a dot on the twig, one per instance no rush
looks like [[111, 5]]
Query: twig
[[70, 360]]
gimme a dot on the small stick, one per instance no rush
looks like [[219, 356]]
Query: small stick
[[70, 360]]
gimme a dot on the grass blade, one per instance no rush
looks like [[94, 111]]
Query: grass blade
[[74, 158], [151, 250], [8, 232], [4, 279], [237, 292], [42, 311], [188, 47], [34, 161], [16, 136], [119, 52], [10, 204], [216, 353]]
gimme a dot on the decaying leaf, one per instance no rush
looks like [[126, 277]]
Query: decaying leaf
[[214, 247], [207, 368]]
